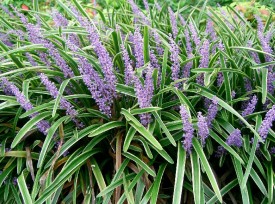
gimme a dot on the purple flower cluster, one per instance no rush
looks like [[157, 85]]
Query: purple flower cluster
[[104, 58], [96, 86], [63, 102], [43, 125], [253, 54], [267, 123], [235, 138], [250, 106], [204, 61], [6, 10], [138, 48], [194, 34], [187, 129], [175, 60], [145, 94], [158, 43], [128, 72], [146, 5], [138, 13], [59, 20], [31, 60], [173, 21], [212, 111], [202, 128]]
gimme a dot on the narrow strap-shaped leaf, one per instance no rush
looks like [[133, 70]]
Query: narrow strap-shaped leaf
[[60, 93], [141, 129], [48, 139], [181, 160], [164, 128], [224, 190], [156, 184], [130, 134], [264, 84], [98, 175], [196, 177], [207, 168], [28, 126], [270, 182], [146, 51], [65, 173], [106, 127], [140, 163], [24, 189], [239, 173]]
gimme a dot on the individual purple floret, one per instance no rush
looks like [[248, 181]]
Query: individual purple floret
[[212, 111], [138, 48], [247, 85], [272, 150], [129, 72], [173, 21], [233, 94], [175, 60], [235, 138], [58, 19], [220, 152], [250, 106], [42, 125], [267, 123], [145, 94], [188, 129], [202, 128]]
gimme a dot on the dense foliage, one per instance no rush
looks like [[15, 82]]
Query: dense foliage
[[136, 106]]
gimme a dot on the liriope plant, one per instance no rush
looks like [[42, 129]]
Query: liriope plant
[[136, 106]]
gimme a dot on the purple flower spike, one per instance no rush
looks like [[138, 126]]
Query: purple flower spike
[[6, 10], [138, 13], [188, 130], [175, 60], [250, 106], [204, 61], [42, 125], [202, 128], [235, 138], [138, 48], [129, 72], [146, 5], [64, 104], [158, 42], [145, 94], [267, 123], [59, 20], [194, 35], [212, 111], [173, 21]]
